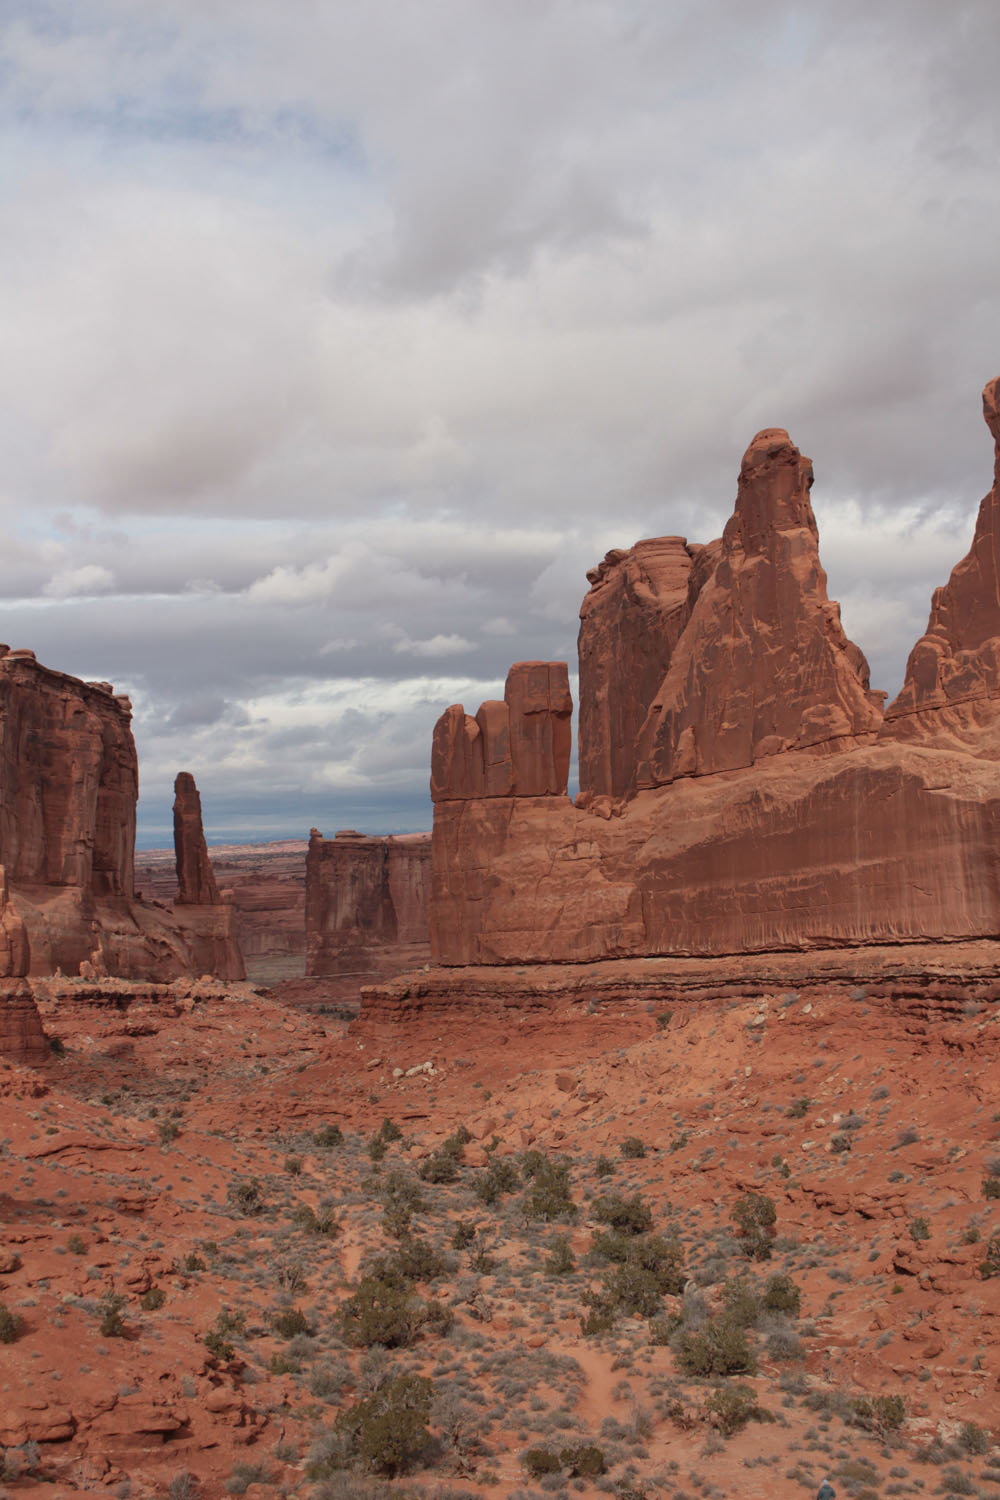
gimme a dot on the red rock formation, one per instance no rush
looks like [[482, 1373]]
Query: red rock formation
[[268, 885], [630, 622], [21, 1036], [819, 833], [951, 693], [195, 881], [520, 747], [68, 791], [763, 664], [366, 903]]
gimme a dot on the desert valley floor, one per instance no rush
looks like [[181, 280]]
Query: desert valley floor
[[218, 1210]]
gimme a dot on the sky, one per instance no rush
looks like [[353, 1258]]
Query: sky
[[341, 339]]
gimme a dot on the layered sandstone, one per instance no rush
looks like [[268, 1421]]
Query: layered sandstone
[[195, 881], [517, 747], [763, 804], [22, 1038], [951, 694], [68, 792], [639, 602], [366, 904]]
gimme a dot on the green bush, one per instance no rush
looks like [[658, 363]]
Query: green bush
[[879, 1413], [328, 1135], [289, 1322], [798, 1109], [193, 1262], [10, 1325], [782, 1295], [604, 1167], [539, 1461], [414, 1259], [583, 1462], [973, 1439], [633, 1148], [112, 1322], [386, 1432], [382, 1310], [919, 1229], [153, 1299], [731, 1407], [560, 1260], [496, 1180], [246, 1197], [991, 1187], [464, 1235], [754, 1215], [990, 1265], [548, 1193], [718, 1347], [741, 1302], [627, 1215]]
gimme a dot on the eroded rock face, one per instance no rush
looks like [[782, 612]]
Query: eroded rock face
[[630, 622], [195, 881], [763, 664], [763, 803], [22, 1038], [519, 747], [68, 791], [951, 693], [367, 903]]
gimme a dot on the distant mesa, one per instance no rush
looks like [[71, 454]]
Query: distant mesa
[[367, 903], [742, 789]]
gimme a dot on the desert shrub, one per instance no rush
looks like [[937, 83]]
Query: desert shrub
[[633, 1148], [585, 1461], [328, 1135], [10, 1325], [153, 1299], [627, 1215], [443, 1164], [400, 1189], [604, 1167], [841, 1143], [879, 1413], [663, 1018], [991, 1187], [496, 1180], [293, 1166], [245, 1197], [798, 1109], [679, 1141], [382, 1310], [973, 1439], [76, 1244], [167, 1131], [547, 1196], [436, 1317], [193, 1262], [539, 1461], [990, 1264], [781, 1295], [413, 1259], [741, 1303], [463, 1235], [731, 1407], [112, 1322], [390, 1131], [919, 1229], [283, 1363], [289, 1321], [754, 1215], [718, 1347], [385, 1432], [560, 1260], [244, 1475]]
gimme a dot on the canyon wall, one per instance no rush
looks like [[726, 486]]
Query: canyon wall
[[68, 792], [755, 797], [367, 904]]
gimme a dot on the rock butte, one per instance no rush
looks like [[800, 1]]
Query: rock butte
[[68, 792], [741, 788], [366, 904]]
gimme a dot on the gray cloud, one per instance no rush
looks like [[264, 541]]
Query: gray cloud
[[341, 340]]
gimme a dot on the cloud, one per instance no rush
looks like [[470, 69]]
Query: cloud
[[90, 578], [328, 318]]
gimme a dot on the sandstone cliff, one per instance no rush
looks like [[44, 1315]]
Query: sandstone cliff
[[762, 803], [68, 792], [366, 904]]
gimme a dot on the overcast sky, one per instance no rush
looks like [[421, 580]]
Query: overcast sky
[[341, 338]]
